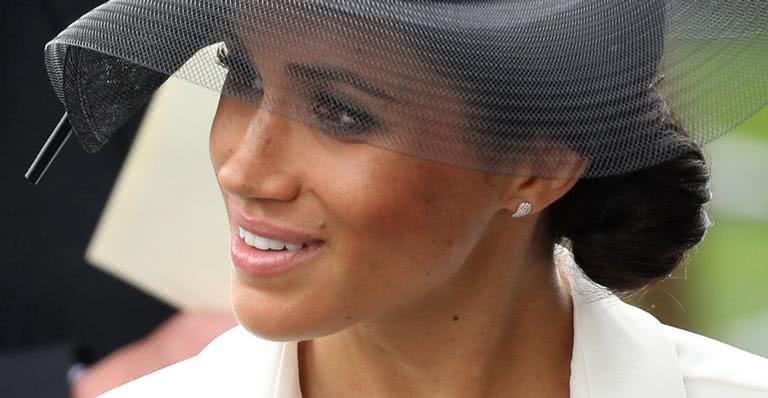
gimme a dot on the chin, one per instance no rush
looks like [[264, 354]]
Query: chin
[[272, 317]]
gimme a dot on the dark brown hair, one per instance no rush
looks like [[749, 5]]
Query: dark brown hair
[[631, 230]]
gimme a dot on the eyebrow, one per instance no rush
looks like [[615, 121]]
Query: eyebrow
[[328, 73]]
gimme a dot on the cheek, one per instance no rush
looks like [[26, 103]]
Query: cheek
[[402, 227]]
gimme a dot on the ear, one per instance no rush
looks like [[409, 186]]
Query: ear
[[545, 180]]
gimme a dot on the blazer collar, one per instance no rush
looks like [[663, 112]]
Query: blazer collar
[[618, 351]]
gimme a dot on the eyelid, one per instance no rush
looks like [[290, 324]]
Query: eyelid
[[370, 122], [313, 73], [316, 92]]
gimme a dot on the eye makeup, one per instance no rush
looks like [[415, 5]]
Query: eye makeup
[[332, 112], [340, 115]]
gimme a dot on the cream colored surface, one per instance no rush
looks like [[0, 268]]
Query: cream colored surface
[[165, 228]]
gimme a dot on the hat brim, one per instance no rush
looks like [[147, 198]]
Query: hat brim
[[592, 75]]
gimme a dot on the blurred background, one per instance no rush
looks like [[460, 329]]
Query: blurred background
[[721, 292], [56, 310], [61, 313], [88, 265]]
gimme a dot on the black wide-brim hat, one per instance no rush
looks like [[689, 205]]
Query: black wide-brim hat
[[480, 84]]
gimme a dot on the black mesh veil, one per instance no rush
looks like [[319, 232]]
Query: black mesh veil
[[480, 84]]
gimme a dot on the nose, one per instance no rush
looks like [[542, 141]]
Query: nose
[[261, 164]]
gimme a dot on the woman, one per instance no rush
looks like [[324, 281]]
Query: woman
[[430, 262]]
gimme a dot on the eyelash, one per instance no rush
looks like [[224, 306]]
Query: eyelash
[[327, 108], [324, 103], [239, 73]]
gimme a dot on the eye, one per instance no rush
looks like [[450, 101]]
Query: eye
[[340, 117], [242, 78]]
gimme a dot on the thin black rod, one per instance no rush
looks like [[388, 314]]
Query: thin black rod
[[50, 150]]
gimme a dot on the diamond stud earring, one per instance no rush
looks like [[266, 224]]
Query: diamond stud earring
[[523, 209]]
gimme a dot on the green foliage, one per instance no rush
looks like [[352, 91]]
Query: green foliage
[[728, 275]]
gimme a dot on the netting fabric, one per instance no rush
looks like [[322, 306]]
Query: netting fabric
[[482, 84]]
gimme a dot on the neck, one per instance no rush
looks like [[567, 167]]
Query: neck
[[500, 327]]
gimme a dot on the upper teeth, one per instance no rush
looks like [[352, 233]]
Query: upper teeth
[[263, 243]]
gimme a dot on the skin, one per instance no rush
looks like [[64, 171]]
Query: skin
[[426, 285]]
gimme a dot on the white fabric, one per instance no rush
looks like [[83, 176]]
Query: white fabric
[[619, 351]]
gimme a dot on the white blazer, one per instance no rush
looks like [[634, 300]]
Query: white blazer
[[619, 351]]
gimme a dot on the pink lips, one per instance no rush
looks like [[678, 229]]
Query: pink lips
[[266, 263], [271, 231]]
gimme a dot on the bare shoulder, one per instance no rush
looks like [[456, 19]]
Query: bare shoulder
[[712, 368]]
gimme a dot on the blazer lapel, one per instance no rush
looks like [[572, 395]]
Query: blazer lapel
[[619, 350], [287, 384], [241, 365]]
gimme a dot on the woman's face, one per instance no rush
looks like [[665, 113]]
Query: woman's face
[[391, 227]]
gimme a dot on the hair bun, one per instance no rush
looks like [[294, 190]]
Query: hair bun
[[628, 231]]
